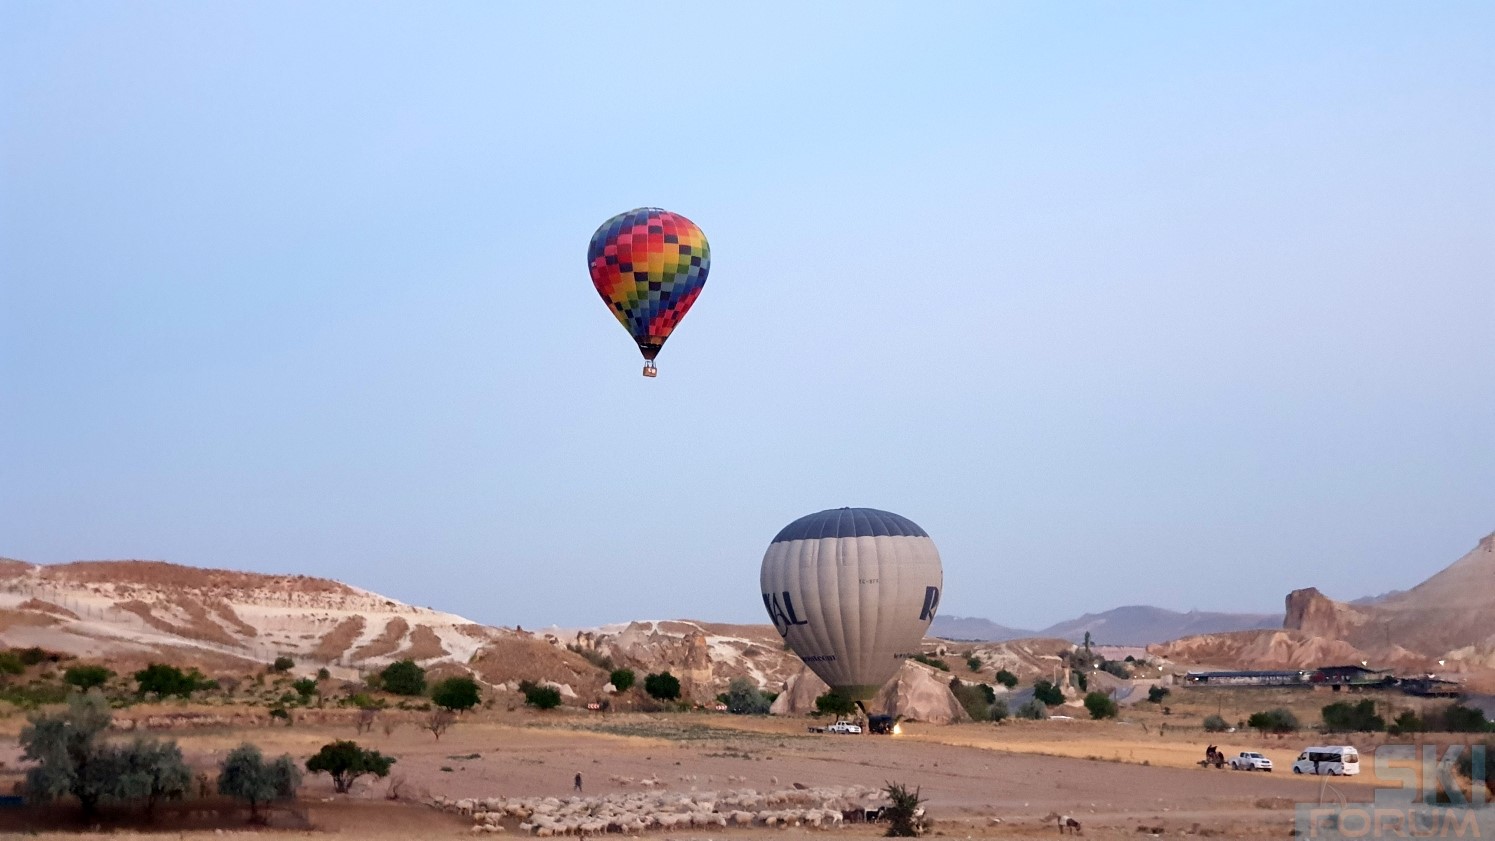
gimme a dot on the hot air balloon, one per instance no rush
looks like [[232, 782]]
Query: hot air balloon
[[649, 265], [852, 591]]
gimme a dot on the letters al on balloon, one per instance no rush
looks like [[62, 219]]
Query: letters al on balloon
[[649, 265], [852, 591]]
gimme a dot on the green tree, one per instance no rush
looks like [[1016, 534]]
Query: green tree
[[1047, 692], [834, 703], [34, 656], [150, 771], [1156, 693], [621, 679], [456, 693], [663, 686], [305, 687], [973, 663], [743, 697], [1407, 722], [283, 664], [1341, 717], [86, 677], [404, 677], [1278, 721], [1458, 718], [999, 711], [69, 755], [1006, 678], [902, 812], [1100, 705], [1087, 643], [345, 762], [540, 697], [1215, 724], [245, 775], [164, 680]]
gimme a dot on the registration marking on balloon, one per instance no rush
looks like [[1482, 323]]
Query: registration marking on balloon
[[852, 591]]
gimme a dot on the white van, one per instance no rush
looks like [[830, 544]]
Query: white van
[[1336, 761]]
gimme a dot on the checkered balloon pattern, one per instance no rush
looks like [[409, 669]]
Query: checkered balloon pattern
[[649, 265]]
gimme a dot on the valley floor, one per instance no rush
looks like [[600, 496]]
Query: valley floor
[[978, 779]]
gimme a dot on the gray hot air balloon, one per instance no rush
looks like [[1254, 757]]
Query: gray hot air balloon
[[852, 590]]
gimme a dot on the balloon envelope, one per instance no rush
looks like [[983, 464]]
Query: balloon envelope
[[649, 265], [852, 590]]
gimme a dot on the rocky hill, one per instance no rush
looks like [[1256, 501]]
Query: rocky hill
[[134, 612], [1144, 624], [1446, 618]]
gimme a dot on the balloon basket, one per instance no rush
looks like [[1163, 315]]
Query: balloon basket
[[650, 370]]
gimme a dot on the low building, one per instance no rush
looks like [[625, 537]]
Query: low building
[[1295, 677]]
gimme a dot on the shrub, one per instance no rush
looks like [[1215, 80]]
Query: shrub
[[999, 711], [456, 693], [834, 703], [244, 775], [1100, 705], [305, 687], [932, 661], [283, 664], [1343, 716], [902, 812], [345, 762], [1278, 721], [323, 674], [1006, 678], [743, 697], [1215, 724], [1117, 668], [1080, 681], [33, 656], [1047, 692], [1034, 710], [404, 677], [621, 679], [972, 699], [540, 697], [1156, 693], [663, 686], [973, 663], [164, 680], [1457, 718], [438, 720], [87, 677], [1407, 722], [10, 663]]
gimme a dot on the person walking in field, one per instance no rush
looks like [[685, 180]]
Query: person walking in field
[[577, 787]]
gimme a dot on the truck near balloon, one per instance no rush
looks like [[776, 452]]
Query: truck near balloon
[[852, 591]]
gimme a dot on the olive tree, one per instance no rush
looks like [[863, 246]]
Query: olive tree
[[245, 775]]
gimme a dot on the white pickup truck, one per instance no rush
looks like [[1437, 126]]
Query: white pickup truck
[[844, 726], [1249, 760]]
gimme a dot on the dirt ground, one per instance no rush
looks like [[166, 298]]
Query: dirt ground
[[978, 779]]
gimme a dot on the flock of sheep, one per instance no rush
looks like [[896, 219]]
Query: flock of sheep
[[636, 812]]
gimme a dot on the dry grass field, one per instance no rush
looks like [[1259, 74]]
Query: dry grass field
[[979, 780]]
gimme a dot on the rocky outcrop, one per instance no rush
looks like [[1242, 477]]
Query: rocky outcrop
[[1315, 614], [916, 693]]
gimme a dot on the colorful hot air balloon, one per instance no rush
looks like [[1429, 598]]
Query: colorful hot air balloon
[[649, 265], [852, 590]]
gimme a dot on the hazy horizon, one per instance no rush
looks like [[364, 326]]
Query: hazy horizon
[[1171, 304]]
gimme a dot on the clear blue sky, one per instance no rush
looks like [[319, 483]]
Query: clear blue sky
[[1185, 304]]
